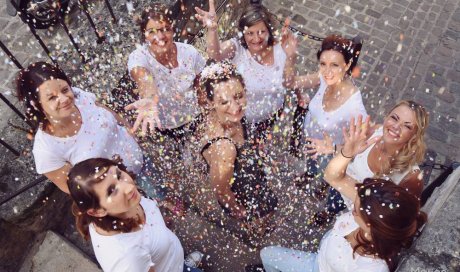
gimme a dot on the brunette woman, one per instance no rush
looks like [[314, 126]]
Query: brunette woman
[[236, 177], [72, 125], [259, 58], [384, 219], [164, 71], [127, 231]]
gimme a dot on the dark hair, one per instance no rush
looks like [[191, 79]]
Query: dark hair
[[158, 12], [394, 217], [350, 49], [80, 181], [252, 15], [209, 80], [28, 81]]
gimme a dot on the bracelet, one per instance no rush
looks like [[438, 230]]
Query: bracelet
[[341, 152]]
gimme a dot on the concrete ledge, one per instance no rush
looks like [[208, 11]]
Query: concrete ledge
[[56, 254]]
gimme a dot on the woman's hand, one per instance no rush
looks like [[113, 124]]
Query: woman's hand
[[288, 40], [320, 146], [208, 18], [148, 116], [357, 137]]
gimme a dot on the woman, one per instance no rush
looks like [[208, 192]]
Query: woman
[[164, 71], [236, 179], [401, 148], [127, 231], [72, 125], [336, 101], [259, 58], [384, 219]]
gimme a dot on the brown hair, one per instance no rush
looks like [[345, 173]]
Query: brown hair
[[28, 81], [414, 151], [394, 217], [350, 49], [209, 80], [157, 12], [252, 15], [81, 179]]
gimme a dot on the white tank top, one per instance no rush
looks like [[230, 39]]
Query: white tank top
[[359, 169]]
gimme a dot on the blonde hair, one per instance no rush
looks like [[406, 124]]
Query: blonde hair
[[414, 151]]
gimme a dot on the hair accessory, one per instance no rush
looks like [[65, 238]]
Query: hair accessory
[[217, 70]]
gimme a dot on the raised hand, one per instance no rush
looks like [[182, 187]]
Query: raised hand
[[148, 116], [288, 40], [208, 18], [320, 146], [357, 138]]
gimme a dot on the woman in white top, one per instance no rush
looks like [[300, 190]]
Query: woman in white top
[[72, 125], [384, 219], [259, 58], [164, 71], [127, 231]]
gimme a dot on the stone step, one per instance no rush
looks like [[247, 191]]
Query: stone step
[[56, 254]]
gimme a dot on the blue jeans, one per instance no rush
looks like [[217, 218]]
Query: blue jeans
[[191, 269], [275, 259], [150, 181], [335, 202]]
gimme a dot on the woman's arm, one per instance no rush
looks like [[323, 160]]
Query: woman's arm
[[120, 120], [356, 141], [59, 177], [216, 50], [413, 182], [221, 159]]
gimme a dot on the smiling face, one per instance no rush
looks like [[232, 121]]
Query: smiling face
[[399, 126], [332, 66], [57, 99], [117, 193], [229, 101], [256, 37], [159, 34]]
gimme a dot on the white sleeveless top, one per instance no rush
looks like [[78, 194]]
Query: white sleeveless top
[[318, 121], [264, 84], [359, 169], [335, 253]]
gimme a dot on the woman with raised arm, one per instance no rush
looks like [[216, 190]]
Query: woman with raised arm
[[259, 58], [164, 71], [127, 230], [236, 180], [72, 125], [384, 219]]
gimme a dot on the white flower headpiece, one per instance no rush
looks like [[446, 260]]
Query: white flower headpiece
[[217, 70]]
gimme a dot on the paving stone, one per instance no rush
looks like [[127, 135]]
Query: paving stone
[[299, 19], [373, 13]]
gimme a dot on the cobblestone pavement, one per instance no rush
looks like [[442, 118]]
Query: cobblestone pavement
[[411, 50]]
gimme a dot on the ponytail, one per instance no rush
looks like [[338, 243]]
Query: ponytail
[[357, 44], [82, 221]]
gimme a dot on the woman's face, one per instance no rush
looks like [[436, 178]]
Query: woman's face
[[159, 34], [399, 126], [332, 66], [256, 37], [56, 98], [117, 193], [229, 101]]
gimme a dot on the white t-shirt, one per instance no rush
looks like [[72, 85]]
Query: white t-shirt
[[335, 253], [100, 136], [264, 84], [359, 169], [318, 121], [154, 245], [178, 103]]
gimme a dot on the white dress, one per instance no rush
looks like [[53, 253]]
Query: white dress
[[100, 136], [264, 84], [359, 169], [154, 245], [178, 103], [335, 253], [318, 120]]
